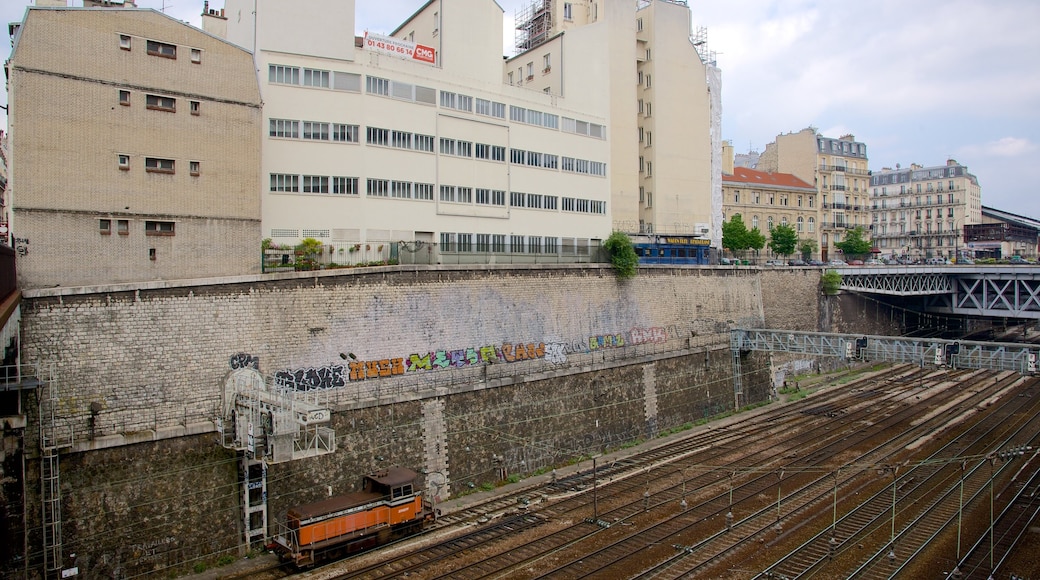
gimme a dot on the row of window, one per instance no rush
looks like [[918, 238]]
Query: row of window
[[903, 190], [771, 199], [514, 244], [337, 80], [156, 48], [151, 228], [391, 188], [313, 130], [159, 103], [159, 165], [917, 214]]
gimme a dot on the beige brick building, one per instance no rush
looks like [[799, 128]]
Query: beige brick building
[[134, 149], [766, 200], [837, 168]]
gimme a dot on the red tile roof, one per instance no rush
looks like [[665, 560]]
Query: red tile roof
[[744, 175]]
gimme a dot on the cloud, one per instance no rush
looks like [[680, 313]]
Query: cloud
[[1003, 147]]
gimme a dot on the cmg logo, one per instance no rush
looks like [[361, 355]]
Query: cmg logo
[[424, 53]]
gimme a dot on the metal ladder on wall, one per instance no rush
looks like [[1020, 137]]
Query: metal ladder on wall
[[254, 499], [738, 384], [53, 439]]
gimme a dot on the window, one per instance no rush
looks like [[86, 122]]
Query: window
[[378, 187], [401, 189], [156, 165], [196, 55], [123, 227], [315, 184], [105, 227], [124, 41], [193, 168], [498, 153], [344, 186], [281, 182], [124, 98], [377, 86], [547, 62], [530, 70], [285, 128], [162, 49], [424, 143], [315, 78], [423, 191], [344, 133], [447, 193], [377, 136], [161, 103], [482, 151], [315, 131], [152, 228], [567, 11], [194, 106], [286, 75], [124, 162]]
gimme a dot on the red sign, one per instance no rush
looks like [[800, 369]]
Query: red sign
[[400, 48]]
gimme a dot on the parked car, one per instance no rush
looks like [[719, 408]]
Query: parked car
[[837, 263], [774, 262], [964, 260], [855, 262], [1016, 259], [875, 262], [727, 262], [815, 263], [796, 262]]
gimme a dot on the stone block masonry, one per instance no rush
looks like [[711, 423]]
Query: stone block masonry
[[473, 375]]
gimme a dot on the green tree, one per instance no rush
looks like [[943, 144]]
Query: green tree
[[735, 234], [756, 240], [622, 255], [782, 240], [831, 282], [855, 244], [806, 247]]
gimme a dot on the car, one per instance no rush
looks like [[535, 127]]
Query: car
[[964, 260], [855, 262], [837, 263], [1016, 259], [774, 262], [728, 262], [796, 262], [815, 263], [875, 262]]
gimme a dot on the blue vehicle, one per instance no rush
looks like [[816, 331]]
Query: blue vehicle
[[672, 249]]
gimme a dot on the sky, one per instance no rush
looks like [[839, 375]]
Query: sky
[[917, 81]]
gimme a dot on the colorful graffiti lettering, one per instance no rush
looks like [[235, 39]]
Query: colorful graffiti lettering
[[606, 341], [387, 367]]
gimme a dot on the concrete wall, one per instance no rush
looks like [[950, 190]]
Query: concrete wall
[[607, 363]]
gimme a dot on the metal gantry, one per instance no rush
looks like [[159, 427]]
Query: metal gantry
[[933, 352]]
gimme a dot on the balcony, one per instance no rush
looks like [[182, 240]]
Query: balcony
[[835, 206], [838, 188]]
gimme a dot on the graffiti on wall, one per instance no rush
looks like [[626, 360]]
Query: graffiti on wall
[[554, 352], [244, 361]]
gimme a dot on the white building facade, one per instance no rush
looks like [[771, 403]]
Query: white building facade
[[413, 137]]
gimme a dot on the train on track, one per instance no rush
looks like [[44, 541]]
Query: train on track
[[389, 506], [672, 249]]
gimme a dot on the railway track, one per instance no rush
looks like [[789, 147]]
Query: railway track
[[846, 406]]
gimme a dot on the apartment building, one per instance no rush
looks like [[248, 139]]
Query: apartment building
[[921, 212], [837, 168], [673, 182], [412, 136], [765, 200], [133, 152]]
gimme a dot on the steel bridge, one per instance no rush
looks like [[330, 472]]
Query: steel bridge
[[997, 291], [926, 352]]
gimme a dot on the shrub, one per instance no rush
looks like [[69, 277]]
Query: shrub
[[831, 282], [622, 255]]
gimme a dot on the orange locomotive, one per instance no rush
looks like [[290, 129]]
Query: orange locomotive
[[388, 507]]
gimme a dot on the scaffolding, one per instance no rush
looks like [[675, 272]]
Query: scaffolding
[[268, 422], [534, 24]]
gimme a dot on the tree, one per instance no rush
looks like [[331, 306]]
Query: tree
[[756, 240], [854, 243], [735, 234], [622, 255], [782, 240], [806, 247]]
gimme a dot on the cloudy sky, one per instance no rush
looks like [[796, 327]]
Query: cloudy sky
[[918, 82]]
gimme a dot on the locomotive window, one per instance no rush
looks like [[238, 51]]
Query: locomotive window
[[401, 491]]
